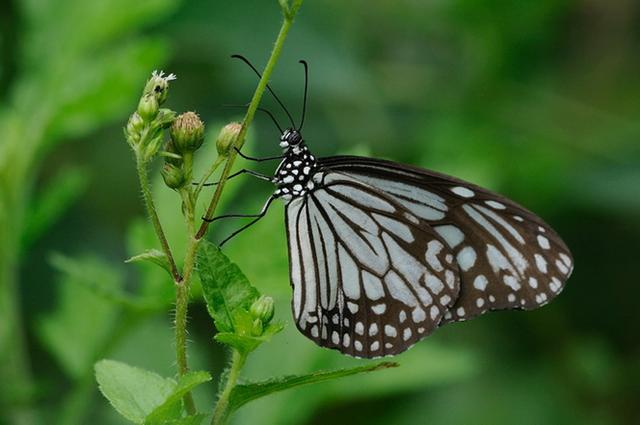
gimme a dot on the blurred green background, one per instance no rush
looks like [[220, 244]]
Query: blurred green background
[[537, 100]]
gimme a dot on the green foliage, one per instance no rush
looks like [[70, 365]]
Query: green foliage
[[245, 393], [54, 199], [500, 94], [228, 293], [75, 342], [152, 256], [146, 397]]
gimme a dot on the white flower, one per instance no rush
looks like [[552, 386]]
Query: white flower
[[160, 74]]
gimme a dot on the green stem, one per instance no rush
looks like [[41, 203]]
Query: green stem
[[219, 160], [221, 413], [153, 215], [251, 110], [182, 287]]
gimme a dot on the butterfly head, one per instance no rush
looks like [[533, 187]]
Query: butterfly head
[[290, 138]]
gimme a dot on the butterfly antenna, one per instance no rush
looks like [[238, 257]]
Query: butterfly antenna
[[245, 60], [266, 111], [306, 86]]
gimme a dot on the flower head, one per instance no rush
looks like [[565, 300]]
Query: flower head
[[187, 132], [158, 85]]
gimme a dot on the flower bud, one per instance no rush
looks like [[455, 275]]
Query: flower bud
[[187, 132], [148, 107], [173, 176], [135, 124], [257, 328], [158, 86], [226, 137], [263, 309]]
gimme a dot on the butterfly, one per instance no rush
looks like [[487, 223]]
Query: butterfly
[[381, 254]]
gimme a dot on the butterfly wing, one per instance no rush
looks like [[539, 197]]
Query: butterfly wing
[[368, 278], [508, 257]]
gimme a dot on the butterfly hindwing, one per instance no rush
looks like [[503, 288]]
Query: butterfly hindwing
[[369, 278], [507, 256]]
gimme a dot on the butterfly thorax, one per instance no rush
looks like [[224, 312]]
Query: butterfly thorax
[[294, 175]]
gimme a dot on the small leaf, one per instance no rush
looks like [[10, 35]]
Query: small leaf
[[153, 256], [171, 406], [245, 393], [247, 343], [133, 392], [226, 289]]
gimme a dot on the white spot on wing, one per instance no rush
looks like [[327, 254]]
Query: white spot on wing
[[466, 258], [451, 234], [463, 191], [480, 282], [495, 204]]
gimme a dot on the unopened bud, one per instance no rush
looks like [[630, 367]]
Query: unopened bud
[[226, 137], [257, 328], [158, 86], [173, 176], [187, 132], [135, 124], [148, 107], [262, 309]]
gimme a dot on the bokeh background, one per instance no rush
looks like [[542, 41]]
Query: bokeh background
[[537, 100]]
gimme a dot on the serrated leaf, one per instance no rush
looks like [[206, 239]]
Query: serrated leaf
[[154, 256], [226, 289], [133, 392], [171, 406], [245, 393]]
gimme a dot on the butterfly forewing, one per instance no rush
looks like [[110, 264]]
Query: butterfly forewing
[[508, 258], [369, 279]]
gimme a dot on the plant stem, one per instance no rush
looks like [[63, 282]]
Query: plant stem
[[246, 122], [182, 287], [153, 215], [221, 414], [219, 160]]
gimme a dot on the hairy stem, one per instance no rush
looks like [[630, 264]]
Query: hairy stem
[[153, 215], [221, 414], [246, 122], [182, 287]]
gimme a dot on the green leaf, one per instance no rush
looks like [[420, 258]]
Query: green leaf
[[82, 272], [75, 343], [52, 201], [154, 256], [133, 392], [248, 343], [226, 289], [171, 406], [245, 393]]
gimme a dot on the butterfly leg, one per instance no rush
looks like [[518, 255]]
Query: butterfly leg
[[250, 158], [262, 213], [238, 173]]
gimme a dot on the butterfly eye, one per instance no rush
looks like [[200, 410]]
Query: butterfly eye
[[294, 138]]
